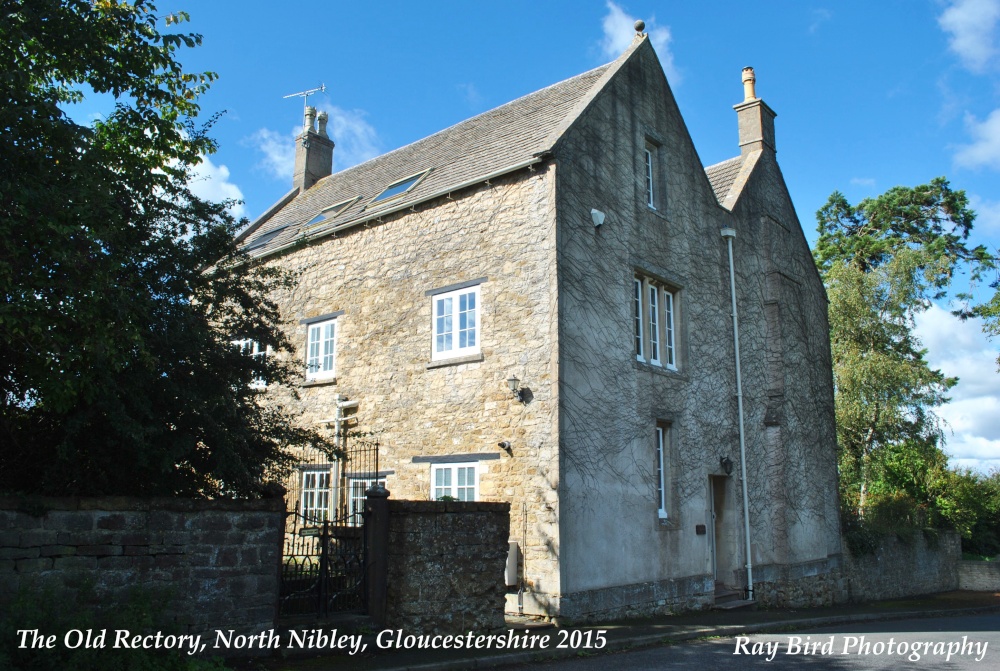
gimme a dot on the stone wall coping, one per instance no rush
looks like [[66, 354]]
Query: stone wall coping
[[40, 505], [403, 506]]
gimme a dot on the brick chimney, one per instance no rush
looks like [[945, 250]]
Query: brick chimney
[[755, 118], [313, 151]]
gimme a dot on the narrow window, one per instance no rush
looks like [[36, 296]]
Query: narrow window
[[321, 350], [454, 481], [637, 312], [649, 178], [654, 325], [661, 479], [455, 324], [315, 498], [668, 329]]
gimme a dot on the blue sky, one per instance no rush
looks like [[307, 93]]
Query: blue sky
[[869, 95]]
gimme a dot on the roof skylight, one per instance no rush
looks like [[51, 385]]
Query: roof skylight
[[398, 188], [332, 211], [262, 240]]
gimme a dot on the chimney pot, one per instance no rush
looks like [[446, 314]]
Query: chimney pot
[[309, 123], [322, 119], [749, 84]]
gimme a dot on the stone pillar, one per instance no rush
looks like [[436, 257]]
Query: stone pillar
[[377, 542]]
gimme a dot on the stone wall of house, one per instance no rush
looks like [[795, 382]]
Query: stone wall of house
[[897, 569], [662, 597], [612, 533], [212, 564], [420, 410], [446, 566], [979, 576]]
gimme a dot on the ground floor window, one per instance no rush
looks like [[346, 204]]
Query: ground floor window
[[454, 481], [316, 496], [662, 443]]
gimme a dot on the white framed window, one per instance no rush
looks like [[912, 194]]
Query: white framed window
[[654, 312], [315, 496], [637, 316], [455, 323], [662, 436], [321, 350], [650, 189], [654, 325], [668, 330], [458, 481], [356, 489], [252, 348]]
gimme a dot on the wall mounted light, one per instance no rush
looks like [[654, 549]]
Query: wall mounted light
[[515, 387], [598, 217], [727, 465]]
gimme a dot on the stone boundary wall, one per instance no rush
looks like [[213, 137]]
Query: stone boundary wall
[[446, 566], [662, 597], [217, 563], [979, 576], [806, 585], [900, 569]]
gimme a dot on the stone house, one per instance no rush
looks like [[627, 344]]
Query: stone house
[[535, 306]]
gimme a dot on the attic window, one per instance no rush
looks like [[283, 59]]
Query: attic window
[[262, 240], [328, 213], [398, 188]]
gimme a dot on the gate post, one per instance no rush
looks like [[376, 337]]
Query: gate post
[[377, 542]]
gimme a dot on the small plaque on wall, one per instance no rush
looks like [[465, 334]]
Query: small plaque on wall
[[700, 529]]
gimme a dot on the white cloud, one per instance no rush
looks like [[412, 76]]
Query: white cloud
[[867, 182], [985, 147], [819, 17], [971, 25], [987, 215], [473, 98], [356, 141], [278, 150], [961, 349], [619, 30], [211, 182]]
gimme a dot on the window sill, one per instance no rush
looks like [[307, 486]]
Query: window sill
[[667, 524], [660, 370], [657, 213], [471, 358], [319, 383]]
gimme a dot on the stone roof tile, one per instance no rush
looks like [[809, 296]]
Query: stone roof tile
[[722, 175], [485, 144]]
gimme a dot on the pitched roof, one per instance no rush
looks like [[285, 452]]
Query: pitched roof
[[487, 145], [722, 175]]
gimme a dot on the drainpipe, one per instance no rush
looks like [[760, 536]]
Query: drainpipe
[[729, 234]]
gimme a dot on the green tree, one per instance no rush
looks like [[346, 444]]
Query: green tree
[[883, 261], [990, 314], [117, 372]]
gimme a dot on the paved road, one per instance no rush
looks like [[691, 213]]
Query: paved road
[[871, 646]]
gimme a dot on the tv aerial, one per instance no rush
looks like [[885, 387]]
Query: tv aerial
[[305, 95]]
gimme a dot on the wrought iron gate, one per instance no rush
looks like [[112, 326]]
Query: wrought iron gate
[[324, 567], [325, 555]]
